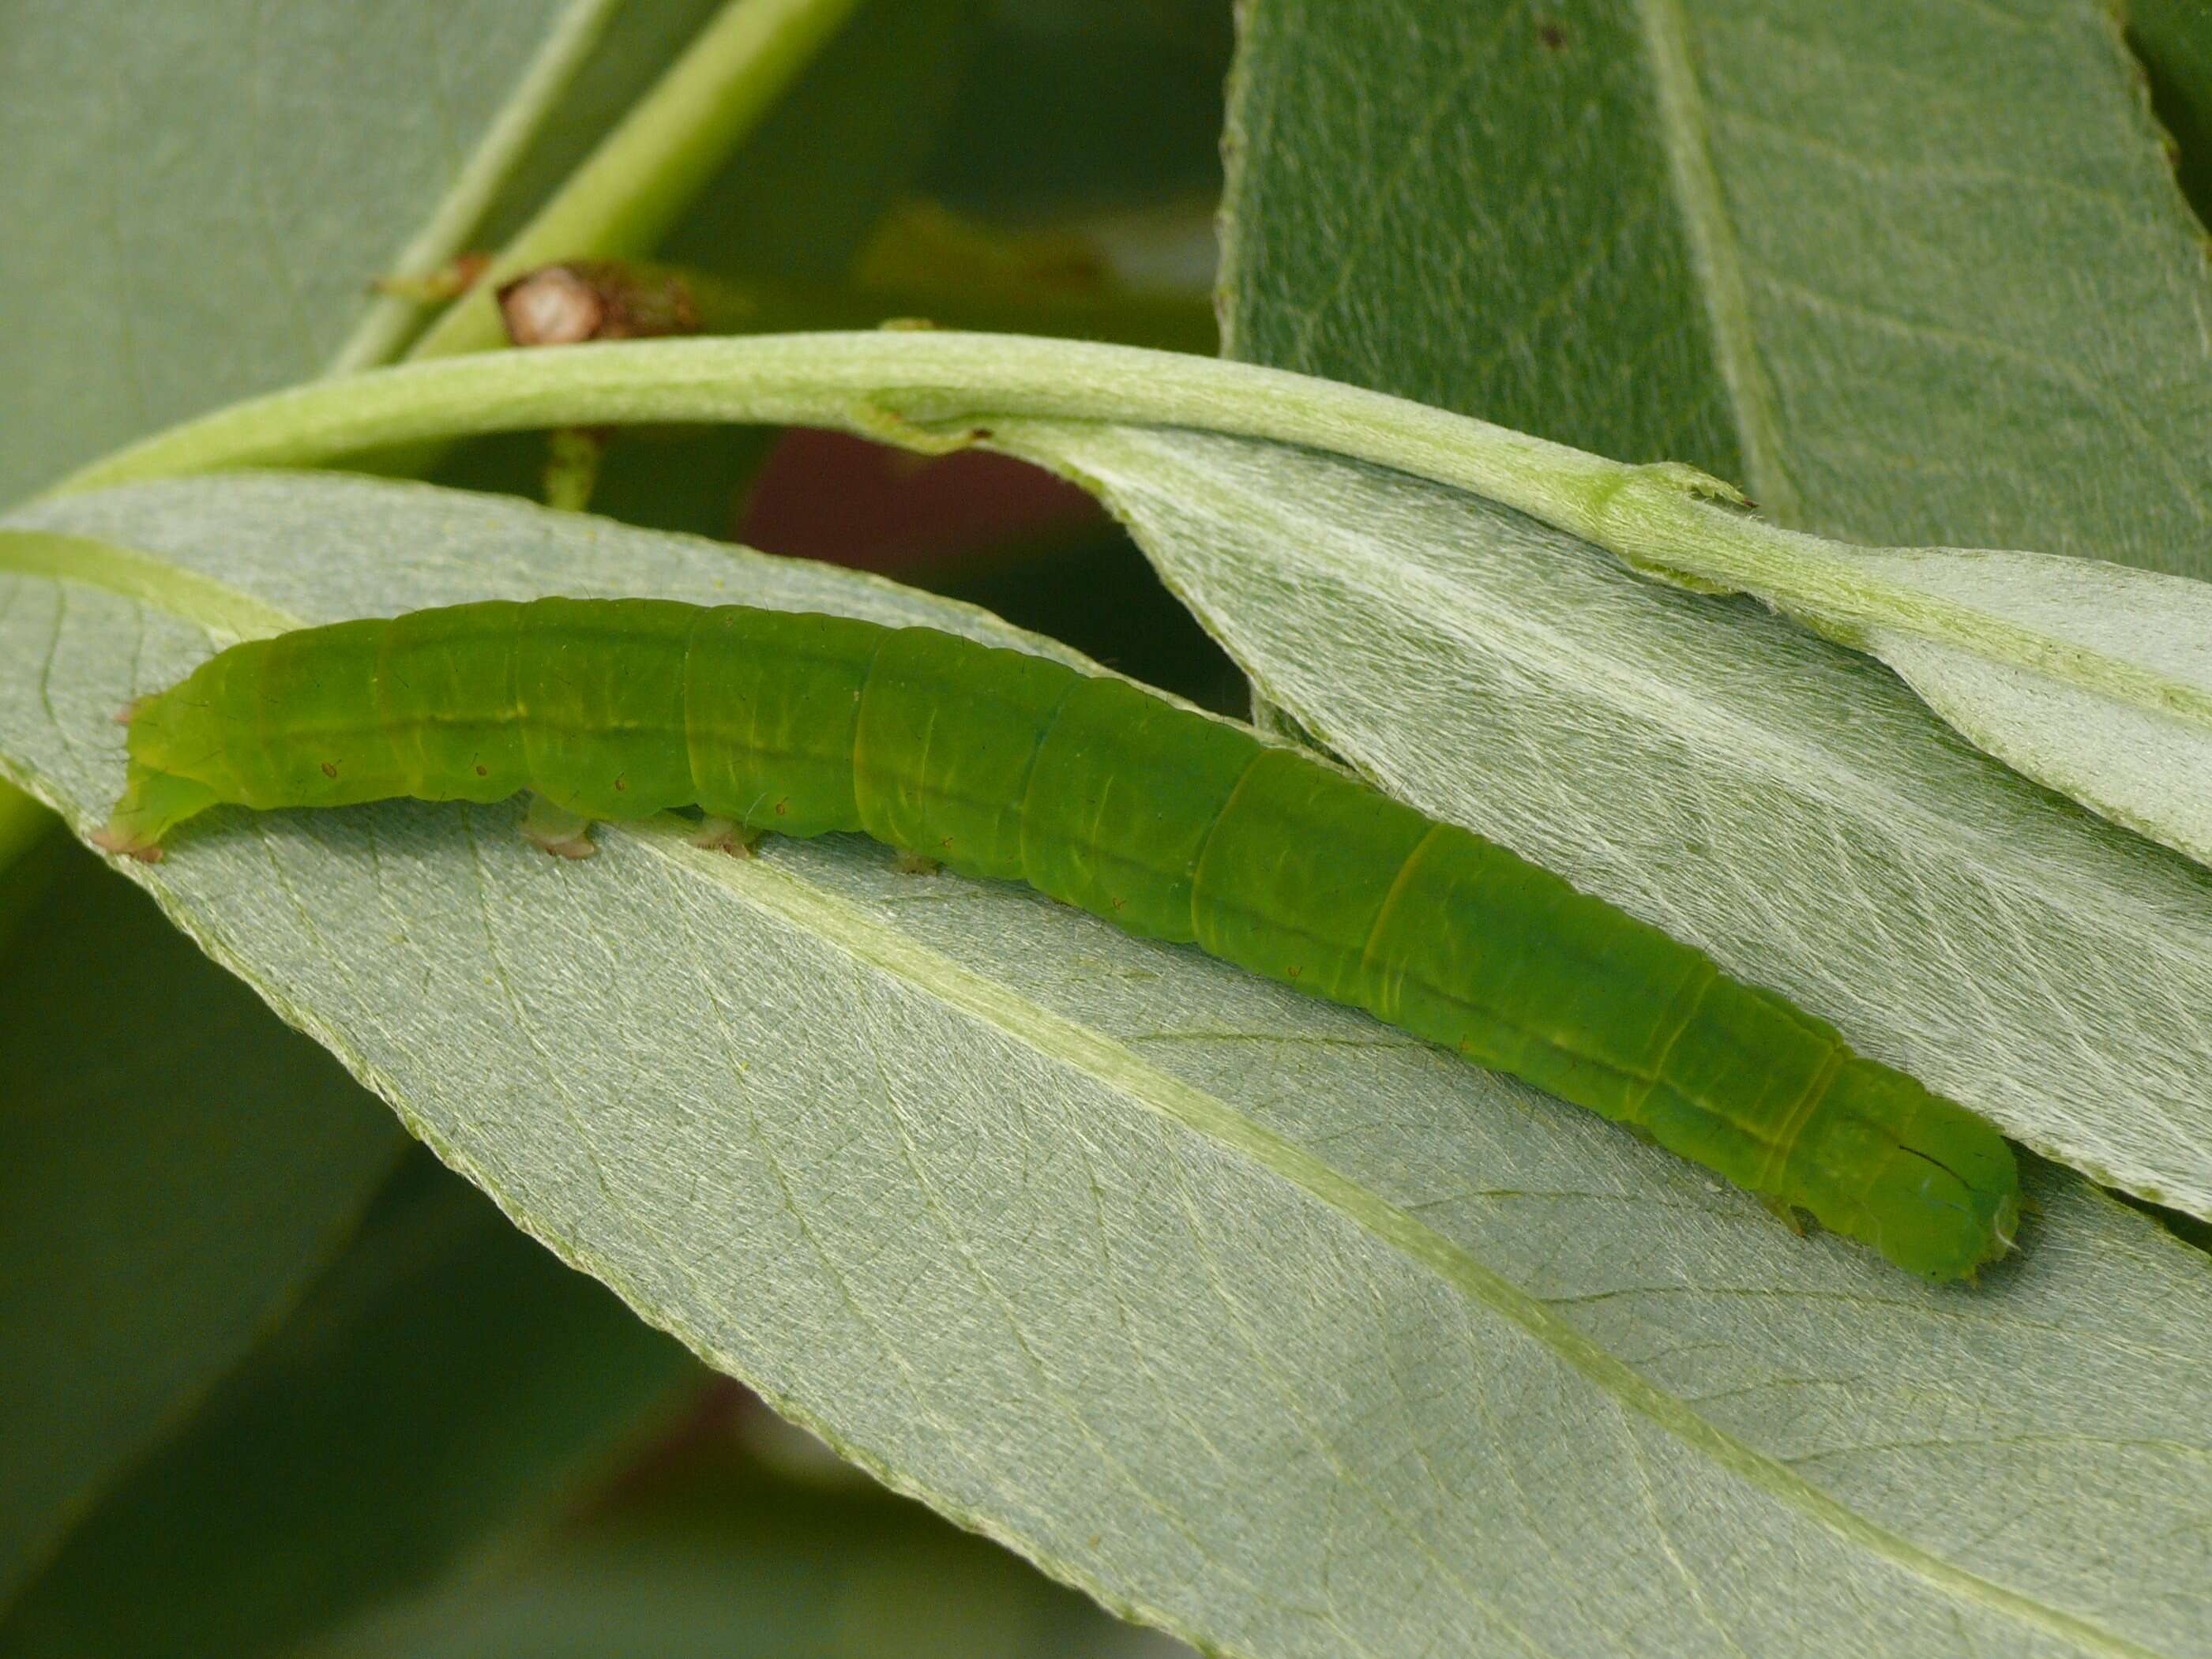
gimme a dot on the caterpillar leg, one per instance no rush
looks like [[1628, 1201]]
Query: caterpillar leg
[[153, 804], [1785, 1212], [564, 834], [917, 864], [725, 835]]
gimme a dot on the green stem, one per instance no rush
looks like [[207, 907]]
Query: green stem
[[722, 305], [924, 386], [929, 390], [625, 197], [385, 327]]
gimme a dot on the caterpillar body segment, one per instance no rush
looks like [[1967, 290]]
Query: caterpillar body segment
[[1172, 825]]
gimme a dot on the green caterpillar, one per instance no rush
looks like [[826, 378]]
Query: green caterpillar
[[1169, 823]]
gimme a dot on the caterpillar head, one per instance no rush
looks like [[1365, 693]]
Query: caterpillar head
[[155, 799]]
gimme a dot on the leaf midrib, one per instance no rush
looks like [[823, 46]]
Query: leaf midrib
[[758, 883]]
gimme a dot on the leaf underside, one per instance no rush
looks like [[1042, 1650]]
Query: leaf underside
[[1248, 1313], [1913, 274]]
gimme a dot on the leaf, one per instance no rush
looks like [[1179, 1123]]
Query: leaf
[[1251, 1316], [133, 304], [1911, 274], [2094, 678], [1776, 800], [2173, 39], [174, 1167], [442, 1376], [706, 1556]]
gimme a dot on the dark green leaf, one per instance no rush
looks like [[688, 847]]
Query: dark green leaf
[[799, 198], [707, 1555], [2173, 41], [1909, 273], [1076, 104], [444, 1375], [175, 1164]]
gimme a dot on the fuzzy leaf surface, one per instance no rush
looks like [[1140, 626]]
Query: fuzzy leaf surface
[[1247, 1314], [1719, 771]]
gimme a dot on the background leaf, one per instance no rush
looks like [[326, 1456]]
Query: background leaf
[[175, 1166], [1074, 106], [1510, 249], [198, 196], [444, 1374], [1910, 274], [2173, 41], [1244, 1312], [707, 1554], [801, 199]]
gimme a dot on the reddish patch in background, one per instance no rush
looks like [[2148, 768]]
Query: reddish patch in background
[[833, 496]]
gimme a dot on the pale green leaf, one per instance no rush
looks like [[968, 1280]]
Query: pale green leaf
[[2093, 677], [196, 196], [1253, 1316], [1715, 770]]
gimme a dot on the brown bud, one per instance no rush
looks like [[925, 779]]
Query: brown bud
[[595, 299]]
